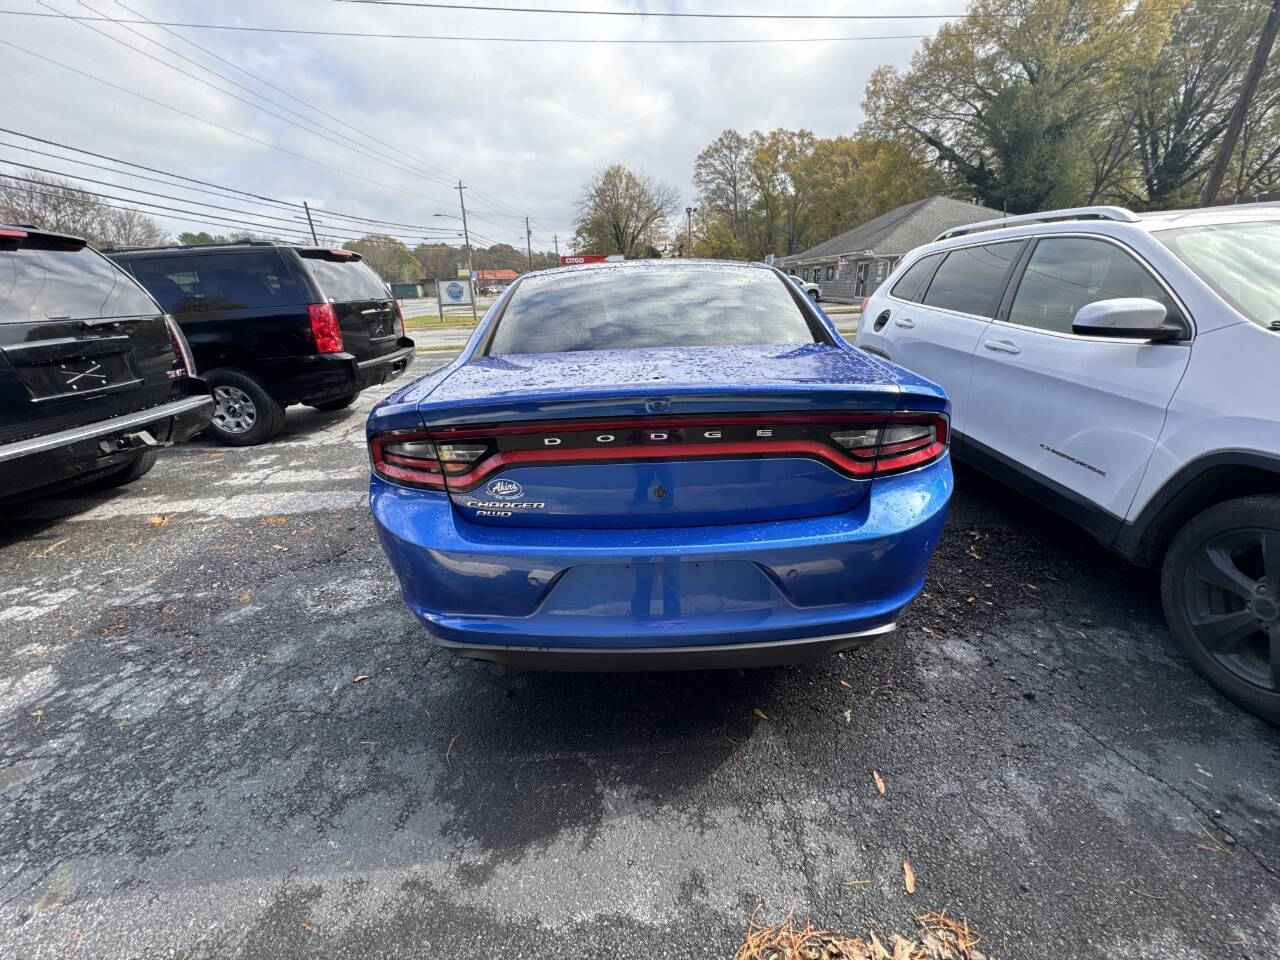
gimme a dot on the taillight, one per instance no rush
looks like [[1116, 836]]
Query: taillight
[[904, 442], [863, 306], [185, 362], [324, 327], [414, 458], [399, 317]]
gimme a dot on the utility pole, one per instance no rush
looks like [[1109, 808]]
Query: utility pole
[[555, 239], [466, 239], [1232, 134], [688, 231], [310, 224], [528, 235]]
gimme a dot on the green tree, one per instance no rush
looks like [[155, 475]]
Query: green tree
[[621, 211], [388, 257], [1014, 99]]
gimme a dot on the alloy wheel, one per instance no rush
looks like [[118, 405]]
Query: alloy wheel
[[233, 410], [1231, 589]]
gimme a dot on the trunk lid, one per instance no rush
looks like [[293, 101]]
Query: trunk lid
[[80, 341], [657, 437], [366, 312]]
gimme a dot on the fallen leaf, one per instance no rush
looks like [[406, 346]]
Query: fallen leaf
[[158, 519], [909, 876], [846, 684], [969, 599], [276, 546], [246, 596], [848, 716], [760, 713], [363, 676], [879, 782], [49, 549], [306, 926], [273, 519]]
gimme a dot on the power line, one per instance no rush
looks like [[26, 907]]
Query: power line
[[292, 221], [477, 39], [252, 197], [487, 8], [349, 143], [441, 177], [215, 125]]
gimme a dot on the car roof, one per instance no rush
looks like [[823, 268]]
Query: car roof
[[1103, 220], [632, 266]]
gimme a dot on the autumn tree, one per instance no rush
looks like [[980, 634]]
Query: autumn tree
[[624, 212]]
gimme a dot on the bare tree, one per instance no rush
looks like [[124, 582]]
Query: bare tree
[[624, 212], [56, 205], [721, 176]]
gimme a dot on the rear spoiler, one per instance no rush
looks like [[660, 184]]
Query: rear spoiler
[[322, 253], [26, 235]]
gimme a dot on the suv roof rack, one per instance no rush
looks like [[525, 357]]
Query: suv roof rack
[[1118, 214]]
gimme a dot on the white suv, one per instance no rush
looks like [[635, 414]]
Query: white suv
[[1124, 369]]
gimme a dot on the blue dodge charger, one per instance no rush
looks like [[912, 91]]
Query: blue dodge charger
[[659, 465]]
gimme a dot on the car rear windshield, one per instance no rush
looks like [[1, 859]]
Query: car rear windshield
[[342, 281], [49, 281], [627, 307], [205, 282], [1240, 261]]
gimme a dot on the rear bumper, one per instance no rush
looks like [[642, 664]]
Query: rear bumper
[[779, 591], [314, 378], [61, 457]]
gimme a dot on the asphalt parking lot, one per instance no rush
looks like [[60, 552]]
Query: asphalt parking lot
[[224, 736]]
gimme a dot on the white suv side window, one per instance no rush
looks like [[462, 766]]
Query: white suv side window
[[1066, 273]]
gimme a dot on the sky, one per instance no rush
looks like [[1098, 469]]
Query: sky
[[524, 125]]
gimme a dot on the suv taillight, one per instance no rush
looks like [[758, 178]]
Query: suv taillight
[[325, 328], [399, 317], [186, 364]]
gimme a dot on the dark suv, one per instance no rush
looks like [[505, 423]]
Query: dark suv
[[93, 376], [272, 324]]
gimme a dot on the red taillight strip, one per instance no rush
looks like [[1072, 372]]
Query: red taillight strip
[[860, 464], [639, 452]]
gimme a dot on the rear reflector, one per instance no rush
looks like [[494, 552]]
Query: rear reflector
[[863, 305], [399, 317], [860, 446], [324, 327]]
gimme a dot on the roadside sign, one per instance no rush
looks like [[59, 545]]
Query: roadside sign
[[573, 261], [464, 272], [454, 293]]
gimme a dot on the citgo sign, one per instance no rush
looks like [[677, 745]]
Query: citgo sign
[[573, 261]]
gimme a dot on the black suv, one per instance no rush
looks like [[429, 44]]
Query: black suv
[[93, 376], [272, 324]]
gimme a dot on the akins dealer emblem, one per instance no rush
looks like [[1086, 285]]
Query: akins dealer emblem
[[504, 490]]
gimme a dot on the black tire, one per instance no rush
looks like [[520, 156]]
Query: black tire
[[1220, 584], [340, 403], [815, 296], [140, 466], [244, 412]]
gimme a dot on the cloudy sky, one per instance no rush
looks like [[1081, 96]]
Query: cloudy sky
[[523, 124]]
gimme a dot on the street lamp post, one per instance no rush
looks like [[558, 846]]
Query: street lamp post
[[688, 230]]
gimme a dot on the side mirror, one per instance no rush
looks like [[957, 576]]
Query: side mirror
[[1135, 317]]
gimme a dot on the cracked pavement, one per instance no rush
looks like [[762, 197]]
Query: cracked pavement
[[191, 767]]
